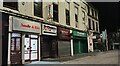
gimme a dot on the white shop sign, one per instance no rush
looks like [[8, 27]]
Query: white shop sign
[[20, 24], [94, 37], [49, 30]]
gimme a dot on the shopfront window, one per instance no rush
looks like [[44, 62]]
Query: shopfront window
[[16, 35]]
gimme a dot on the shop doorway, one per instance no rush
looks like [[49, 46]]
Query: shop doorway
[[84, 46], [15, 48], [48, 47], [76, 46], [31, 48], [80, 46]]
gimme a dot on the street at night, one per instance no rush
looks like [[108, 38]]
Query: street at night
[[59, 32]]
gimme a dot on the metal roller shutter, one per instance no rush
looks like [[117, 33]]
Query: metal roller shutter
[[64, 48]]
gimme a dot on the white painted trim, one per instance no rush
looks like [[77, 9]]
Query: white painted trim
[[23, 60], [39, 49], [9, 42], [71, 47], [10, 23]]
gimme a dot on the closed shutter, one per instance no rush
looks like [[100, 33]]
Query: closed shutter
[[64, 48]]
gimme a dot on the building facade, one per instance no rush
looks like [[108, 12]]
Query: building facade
[[33, 30], [93, 28]]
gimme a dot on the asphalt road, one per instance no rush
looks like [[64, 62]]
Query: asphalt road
[[109, 57]]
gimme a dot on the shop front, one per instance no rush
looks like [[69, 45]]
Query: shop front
[[23, 45], [79, 42], [48, 41], [64, 44], [97, 42]]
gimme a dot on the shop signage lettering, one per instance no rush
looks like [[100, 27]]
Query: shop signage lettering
[[64, 33], [80, 34], [28, 26], [49, 29], [20, 24]]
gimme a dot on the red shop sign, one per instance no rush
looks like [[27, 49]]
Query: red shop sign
[[63, 33]]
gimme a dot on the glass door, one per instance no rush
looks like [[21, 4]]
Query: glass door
[[31, 47], [27, 49], [34, 52], [15, 48]]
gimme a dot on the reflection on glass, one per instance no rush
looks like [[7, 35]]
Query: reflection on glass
[[18, 44], [34, 36], [15, 35], [12, 43]]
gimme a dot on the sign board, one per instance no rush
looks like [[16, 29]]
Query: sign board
[[63, 33], [49, 30], [80, 34], [94, 37], [20, 24]]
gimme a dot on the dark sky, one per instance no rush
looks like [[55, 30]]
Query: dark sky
[[108, 15]]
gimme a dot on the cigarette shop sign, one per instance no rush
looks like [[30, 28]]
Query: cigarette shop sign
[[20, 24]]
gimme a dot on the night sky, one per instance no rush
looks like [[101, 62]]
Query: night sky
[[108, 15]]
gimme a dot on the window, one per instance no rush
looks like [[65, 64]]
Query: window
[[83, 15], [95, 14], [55, 12], [93, 25], [76, 16], [88, 10], [38, 8], [12, 5], [92, 12], [96, 26], [89, 23], [67, 17]]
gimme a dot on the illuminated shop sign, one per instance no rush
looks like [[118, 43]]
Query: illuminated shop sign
[[80, 34], [49, 30], [20, 24]]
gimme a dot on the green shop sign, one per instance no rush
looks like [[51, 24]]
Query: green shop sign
[[80, 34]]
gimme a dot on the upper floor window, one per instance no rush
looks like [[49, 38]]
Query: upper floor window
[[96, 26], [92, 12], [83, 15], [12, 5], [89, 22], [67, 17], [95, 14], [88, 10], [76, 16], [55, 12], [93, 24], [38, 8]]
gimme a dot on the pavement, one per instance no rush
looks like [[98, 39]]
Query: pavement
[[106, 57]]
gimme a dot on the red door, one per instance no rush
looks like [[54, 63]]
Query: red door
[[15, 54]]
